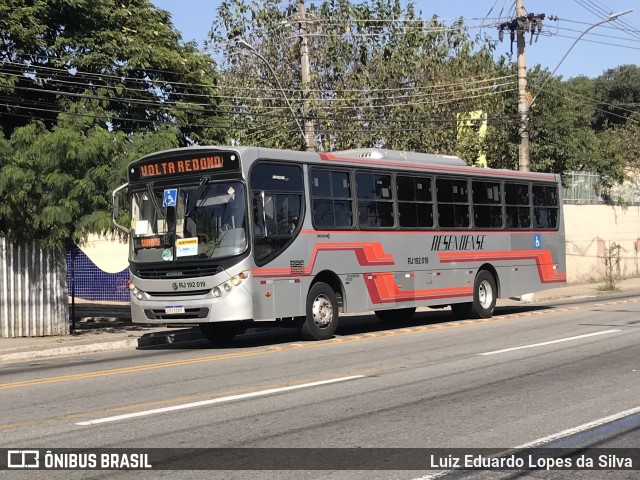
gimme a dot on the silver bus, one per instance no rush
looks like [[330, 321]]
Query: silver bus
[[224, 237]]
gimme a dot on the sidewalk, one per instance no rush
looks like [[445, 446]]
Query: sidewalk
[[107, 326]]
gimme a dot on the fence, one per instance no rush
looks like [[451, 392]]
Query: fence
[[580, 187], [90, 282], [584, 188], [33, 292]]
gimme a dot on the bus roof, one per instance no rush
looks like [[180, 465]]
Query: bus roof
[[371, 157], [413, 157]]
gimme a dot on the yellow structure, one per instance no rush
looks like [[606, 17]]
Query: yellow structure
[[473, 123]]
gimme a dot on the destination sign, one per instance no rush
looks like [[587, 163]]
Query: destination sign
[[171, 167], [146, 242]]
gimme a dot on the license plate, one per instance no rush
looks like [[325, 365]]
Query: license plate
[[173, 309]]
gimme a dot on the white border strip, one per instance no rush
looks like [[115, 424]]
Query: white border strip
[[551, 438], [550, 342], [229, 398], [579, 429]]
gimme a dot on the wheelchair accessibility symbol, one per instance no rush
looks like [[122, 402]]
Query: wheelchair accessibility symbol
[[537, 241], [169, 198]]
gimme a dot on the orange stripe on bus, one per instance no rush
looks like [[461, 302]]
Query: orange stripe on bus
[[368, 254], [382, 288], [543, 259]]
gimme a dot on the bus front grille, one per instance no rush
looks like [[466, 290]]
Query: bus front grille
[[177, 271], [189, 314], [178, 294]]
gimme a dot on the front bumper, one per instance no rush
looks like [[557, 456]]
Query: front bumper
[[201, 308]]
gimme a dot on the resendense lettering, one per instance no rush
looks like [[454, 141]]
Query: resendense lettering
[[443, 243], [173, 167]]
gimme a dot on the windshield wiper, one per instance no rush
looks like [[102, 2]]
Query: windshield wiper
[[154, 200], [196, 196]]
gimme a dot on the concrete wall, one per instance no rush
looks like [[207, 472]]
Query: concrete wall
[[590, 230]]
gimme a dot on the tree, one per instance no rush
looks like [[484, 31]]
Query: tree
[[561, 131], [618, 92], [382, 76], [55, 184], [126, 55], [87, 86]]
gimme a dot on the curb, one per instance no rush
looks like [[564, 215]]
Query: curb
[[193, 334], [140, 342]]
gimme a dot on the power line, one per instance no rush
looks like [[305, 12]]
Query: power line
[[602, 14], [599, 34], [493, 89], [596, 41], [461, 81]]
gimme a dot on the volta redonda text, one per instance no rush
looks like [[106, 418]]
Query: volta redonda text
[[172, 167]]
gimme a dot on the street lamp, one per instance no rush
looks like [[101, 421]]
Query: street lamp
[[243, 44], [611, 17]]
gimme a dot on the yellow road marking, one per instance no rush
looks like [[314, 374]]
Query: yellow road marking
[[297, 346]]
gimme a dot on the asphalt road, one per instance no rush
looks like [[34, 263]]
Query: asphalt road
[[433, 383]]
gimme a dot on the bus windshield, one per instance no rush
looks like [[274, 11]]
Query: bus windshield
[[204, 221]]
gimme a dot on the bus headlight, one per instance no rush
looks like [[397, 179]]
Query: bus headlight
[[135, 292], [225, 287]]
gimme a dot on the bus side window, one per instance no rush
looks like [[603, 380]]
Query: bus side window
[[545, 206]]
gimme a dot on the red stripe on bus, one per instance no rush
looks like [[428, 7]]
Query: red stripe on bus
[[368, 254], [425, 232], [383, 289], [543, 259], [419, 166]]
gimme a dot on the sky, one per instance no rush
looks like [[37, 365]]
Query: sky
[[590, 56]]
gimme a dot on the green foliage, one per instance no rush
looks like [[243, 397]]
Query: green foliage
[[381, 75], [618, 90], [612, 259], [88, 86], [125, 55], [55, 184]]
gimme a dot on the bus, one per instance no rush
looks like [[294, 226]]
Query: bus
[[232, 237]]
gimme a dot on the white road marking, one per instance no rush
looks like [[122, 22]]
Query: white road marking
[[550, 342], [229, 398], [553, 437], [579, 429]]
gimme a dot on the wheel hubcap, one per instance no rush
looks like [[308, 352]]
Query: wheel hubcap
[[322, 311], [485, 294]]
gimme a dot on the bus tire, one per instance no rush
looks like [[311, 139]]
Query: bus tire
[[321, 320], [485, 294], [396, 314], [219, 333]]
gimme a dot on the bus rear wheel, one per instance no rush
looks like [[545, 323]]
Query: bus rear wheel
[[321, 320], [485, 294], [219, 333], [395, 315], [484, 298]]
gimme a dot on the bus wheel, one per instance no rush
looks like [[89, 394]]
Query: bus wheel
[[395, 315], [322, 313], [484, 295], [219, 333]]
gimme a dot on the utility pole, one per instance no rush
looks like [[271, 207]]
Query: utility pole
[[518, 28], [523, 103], [309, 134]]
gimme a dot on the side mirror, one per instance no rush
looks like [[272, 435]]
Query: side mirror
[[116, 207]]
